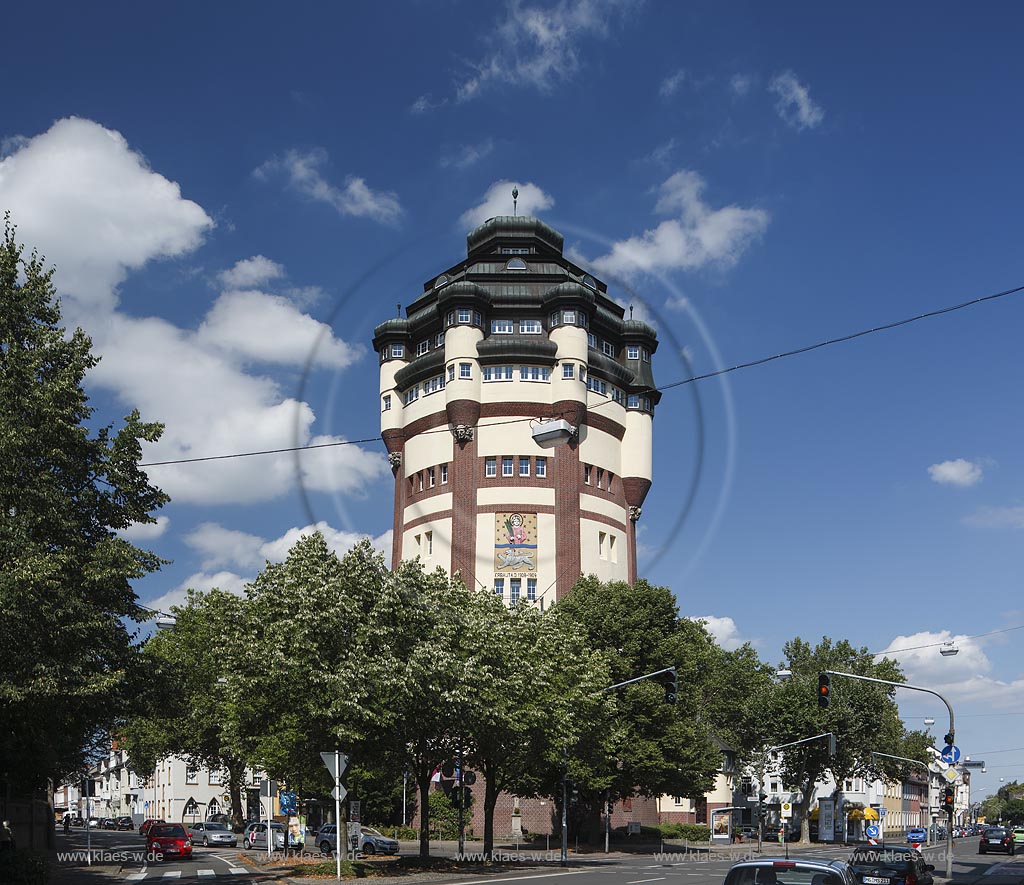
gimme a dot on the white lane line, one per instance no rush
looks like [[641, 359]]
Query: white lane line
[[520, 878], [238, 871], [136, 877], [638, 881], [172, 874], [206, 873]]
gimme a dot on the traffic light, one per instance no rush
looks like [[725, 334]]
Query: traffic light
[[948, 799], [824, 688], [672, 687], [572, 791]]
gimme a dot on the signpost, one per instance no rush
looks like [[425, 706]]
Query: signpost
[[336, 763], [872, 833]]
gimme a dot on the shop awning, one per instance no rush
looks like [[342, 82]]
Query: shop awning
[[856, 814], [870, 814]]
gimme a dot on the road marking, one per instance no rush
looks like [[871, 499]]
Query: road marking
[[136, 877], [520, 878], [238, 871], [638, 881], [206, 873], [172, 874]]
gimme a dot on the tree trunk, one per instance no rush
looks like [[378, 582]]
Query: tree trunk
[[490, 802], [423, 772], [805, 804], [236, 777]]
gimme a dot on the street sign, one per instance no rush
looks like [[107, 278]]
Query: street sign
[[950, 754], [330, 758], [354, 812], [289, 802], [951, 775], [871, 832], [937, 766], [786, 811], [881, 811], [268, 788], [339, 793]]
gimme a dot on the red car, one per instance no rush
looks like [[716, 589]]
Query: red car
[[169, 840], [147, 823]]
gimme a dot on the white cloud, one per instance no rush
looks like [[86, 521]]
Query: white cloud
[[997, 518], [498, 201], [227, 581], [741, 84], [145, 531], [794, 104], [467, 155], [698, 237], [355, 198], [424, 104], [670, 85], [725, 631], [539, 47], [957, 473], [661, 153], [251, 272], [222, 547], [269, 328], [94, 208]]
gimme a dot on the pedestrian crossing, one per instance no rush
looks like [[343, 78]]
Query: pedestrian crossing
[[151, 874]]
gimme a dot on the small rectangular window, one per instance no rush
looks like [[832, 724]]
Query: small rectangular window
[[646, 354], [499, 587], [633, 401], [514, 588], [502, 327], [506, 466], [451, 372], [478, 320], [387, 402], [191, 775], [569, 317], [542, 467], [607, 348], [430, 478], [586, 473], [613, 554], [465, 370], [490, 467], [568, 370], [420, 480], [592, 340], [444, 474], [449, 319], [530, 327], [632, 352], [422, 348], [428, 542], [524, 466], [531, 589], [465, 316], [397, 350], [600, 478], [554, 319], [439, 339], [601, 540]]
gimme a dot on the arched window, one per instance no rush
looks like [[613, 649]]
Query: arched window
[[588, 280], [515, 264], [440, 281]]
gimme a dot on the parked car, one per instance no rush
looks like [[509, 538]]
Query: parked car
[[255, 835], [108, 823], [147, 823], [94, 823], [779, 871], [373, 841], [891, 866], [77, 821], [996, 839], [208, 833], [327, 838], [1018, 835], [917, 834], [124, 823], [168, 840]]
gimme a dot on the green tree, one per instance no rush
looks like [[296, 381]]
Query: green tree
[[862, 716], [69, 669], [195, 715]]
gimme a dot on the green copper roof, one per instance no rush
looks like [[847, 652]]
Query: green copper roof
[[515, 227]]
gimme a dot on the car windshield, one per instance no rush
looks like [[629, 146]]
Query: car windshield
[[877, 860], [995, 833], [782, 874], [213, 828], [372, 832], [167, 830]]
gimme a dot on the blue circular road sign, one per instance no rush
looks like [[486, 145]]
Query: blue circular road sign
[[872, 832], [950, 754]]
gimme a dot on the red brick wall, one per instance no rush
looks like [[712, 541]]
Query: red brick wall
[[463, 481]]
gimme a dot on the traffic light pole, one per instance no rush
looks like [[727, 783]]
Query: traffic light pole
[[928, 775], [950, 738]]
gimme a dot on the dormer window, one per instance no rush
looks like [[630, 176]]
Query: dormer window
[[440, 281], [397, 351], [515, 264], [589, 281], [632, 352]]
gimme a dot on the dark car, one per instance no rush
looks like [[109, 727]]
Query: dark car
[[996, 839], [108, 823], [168, 840], [125, 823], [891, 866], [779, 871]]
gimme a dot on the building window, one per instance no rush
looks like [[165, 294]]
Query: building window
[[583, 373], [618, 396], [589, 281], [597, 385], [420, 478], [542, 467], [506, 465], [568, 370], [451, 372], [607, 348], [632, 352], [191, 775], [430, 478], [397, 350], [530, 327], [600, 478], [499, 587], [444, 474], [531, 589], [433, 385], [497, 373], [613, 553], [586, 473], [569, 317], [428, 542], [592, 340], [439, 339], [515, 264], [515, 250], [554, 319], [214, 777], [465, 316], [440, 281], [602, 539], [387, 402], [422, 348], [490, 467], [383, 353], [502, 327], [534, 373], [412, 394], [633, 401], [647, 403], [478, 320], [646, 354], [465, 370], [524, 466], [515, 586]]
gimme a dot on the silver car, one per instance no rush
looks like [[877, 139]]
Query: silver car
[[255, 835], [209, 833], [780, 871]]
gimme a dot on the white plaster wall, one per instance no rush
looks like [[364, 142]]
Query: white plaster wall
[[599, 504], [441, 555], [590, 560], [516, 391], [429, 450], [600, 449], [426, 506], [509, 439], [520, 495], [637, 453]]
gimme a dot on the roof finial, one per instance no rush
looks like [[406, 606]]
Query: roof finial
[[399, 306], [631, 311], [515, 198]]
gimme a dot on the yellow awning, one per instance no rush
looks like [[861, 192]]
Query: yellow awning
[[870, 814], [856, 814]]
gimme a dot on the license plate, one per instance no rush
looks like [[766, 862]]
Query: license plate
[[875, 880]]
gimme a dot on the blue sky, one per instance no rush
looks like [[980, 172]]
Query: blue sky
[[234, 196]]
